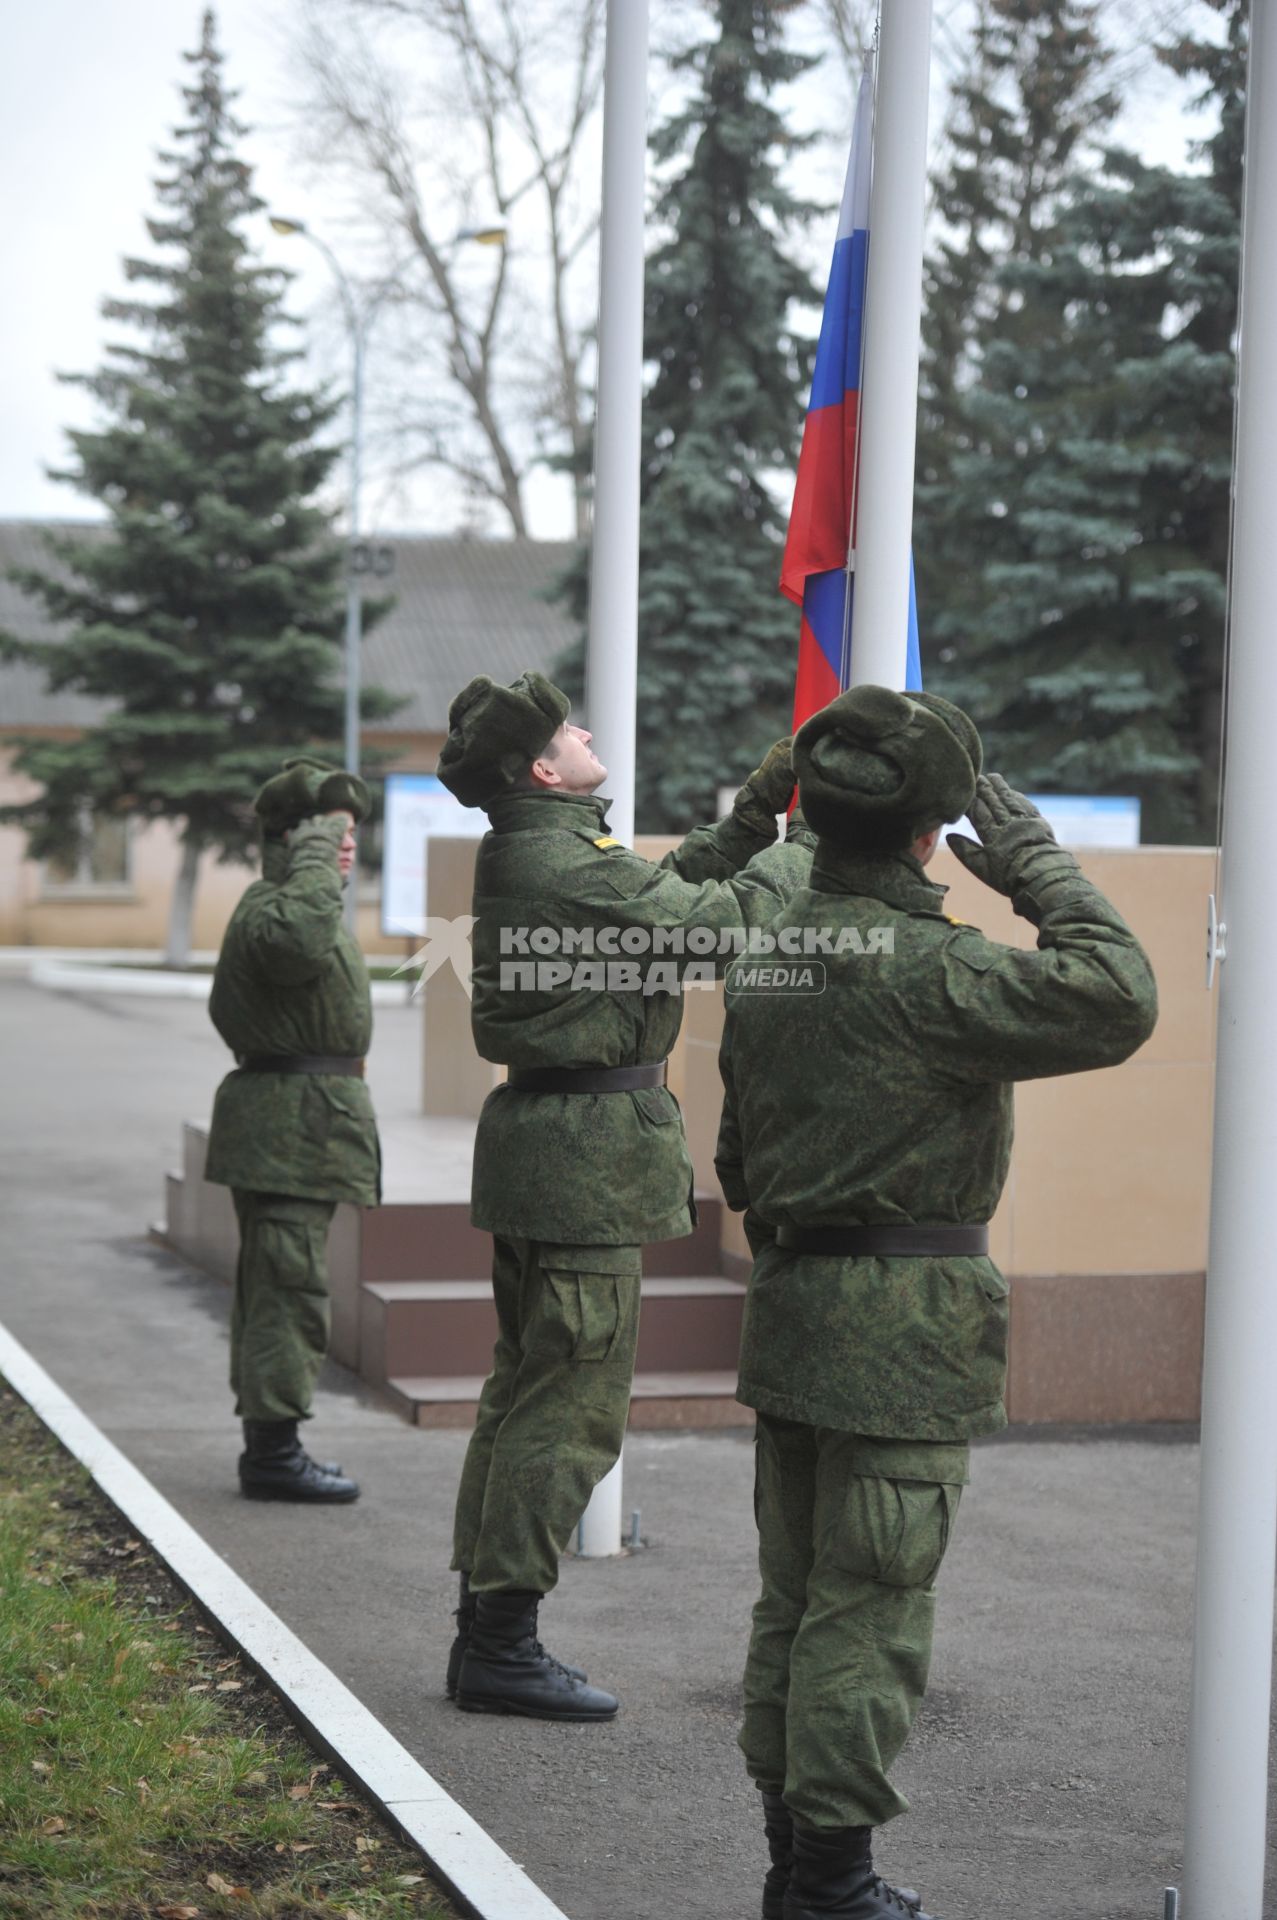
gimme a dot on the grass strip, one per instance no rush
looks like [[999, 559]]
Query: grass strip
[[146, 1773]]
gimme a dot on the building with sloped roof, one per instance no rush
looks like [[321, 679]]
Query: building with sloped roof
[[461, 606]]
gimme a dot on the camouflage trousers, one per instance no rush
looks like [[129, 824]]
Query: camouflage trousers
[[851, 1533], [552, 1412], [280, 1313]]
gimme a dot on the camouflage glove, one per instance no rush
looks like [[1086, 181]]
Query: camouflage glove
[[767, 792], [1019, 854]]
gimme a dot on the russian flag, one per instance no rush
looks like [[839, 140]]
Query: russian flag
[[817, 573]]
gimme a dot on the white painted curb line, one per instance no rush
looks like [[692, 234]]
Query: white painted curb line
[[59, 976], [470, 1864]]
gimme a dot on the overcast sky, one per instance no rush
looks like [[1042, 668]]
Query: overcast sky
[[88, 91]]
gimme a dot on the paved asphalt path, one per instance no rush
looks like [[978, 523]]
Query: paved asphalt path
[[1046, 1772]]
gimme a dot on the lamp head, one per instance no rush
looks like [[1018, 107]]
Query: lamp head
[[285, 226]]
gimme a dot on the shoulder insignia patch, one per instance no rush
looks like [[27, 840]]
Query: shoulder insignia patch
[[607, 841]]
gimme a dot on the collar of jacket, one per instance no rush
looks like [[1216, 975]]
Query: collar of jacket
[[543, 812], [895, 878]]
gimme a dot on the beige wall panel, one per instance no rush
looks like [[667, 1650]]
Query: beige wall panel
[[1112, 1171], [702, 1103], [454, 1079]]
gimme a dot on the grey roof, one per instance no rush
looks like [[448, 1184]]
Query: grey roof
[[462, 606]]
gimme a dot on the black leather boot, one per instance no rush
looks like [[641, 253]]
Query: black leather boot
[[505, 1669], [275, 1466], [833, 1878], [464, 1617], [779, 1824]]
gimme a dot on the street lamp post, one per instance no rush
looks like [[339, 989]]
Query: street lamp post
[[359, 319], [358, 322]]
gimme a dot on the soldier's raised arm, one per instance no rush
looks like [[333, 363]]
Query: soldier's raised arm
[[713, 852], [290, 929], [1085, 998]]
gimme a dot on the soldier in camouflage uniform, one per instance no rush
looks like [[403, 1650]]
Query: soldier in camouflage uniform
[[580, 1155], [293, 1129], [867, 1132]]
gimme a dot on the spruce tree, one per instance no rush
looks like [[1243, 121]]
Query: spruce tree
[[717, 643], [1073, 504], [1187, 226], [208, 615]]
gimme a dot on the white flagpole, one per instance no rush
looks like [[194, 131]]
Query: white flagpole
[[611, 672], [611, 669], [893, 332], [1237, 1521]]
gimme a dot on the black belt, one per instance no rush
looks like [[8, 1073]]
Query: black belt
[[586, 1079], [887, 1242], [347, 1063]]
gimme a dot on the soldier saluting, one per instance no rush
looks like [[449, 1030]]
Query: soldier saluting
[[293, 1129], [580, 1156], [868, 1133]]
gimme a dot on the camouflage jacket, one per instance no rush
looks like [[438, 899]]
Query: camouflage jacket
[[555, 897], [886, 1098], [290, 979]]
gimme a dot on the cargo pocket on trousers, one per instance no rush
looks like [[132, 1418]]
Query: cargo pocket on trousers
[[896, 1525], [591, 1288], [293, 1254]]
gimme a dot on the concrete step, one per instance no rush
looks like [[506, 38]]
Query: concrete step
[[689, 1400], [177, 1226], [426, 1239], [434, 1240], [448, 1327]]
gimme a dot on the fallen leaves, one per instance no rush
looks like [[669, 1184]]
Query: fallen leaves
[[220, 1884], [173, 1911], [53, 1825]]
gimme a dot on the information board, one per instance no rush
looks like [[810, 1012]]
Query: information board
[[418, 806]]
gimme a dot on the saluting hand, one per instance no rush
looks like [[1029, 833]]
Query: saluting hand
[[1007, 824], [770, 788]]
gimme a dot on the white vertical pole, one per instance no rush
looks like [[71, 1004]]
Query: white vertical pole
[[600, 1530], [611, 668], [1237, 1521], [893, 332], [354, 600], [611, 653]]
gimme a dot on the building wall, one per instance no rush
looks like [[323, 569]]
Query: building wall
[[1103, 1224], [135, 915]]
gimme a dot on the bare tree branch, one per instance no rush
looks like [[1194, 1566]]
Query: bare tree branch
[[497, 135]]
